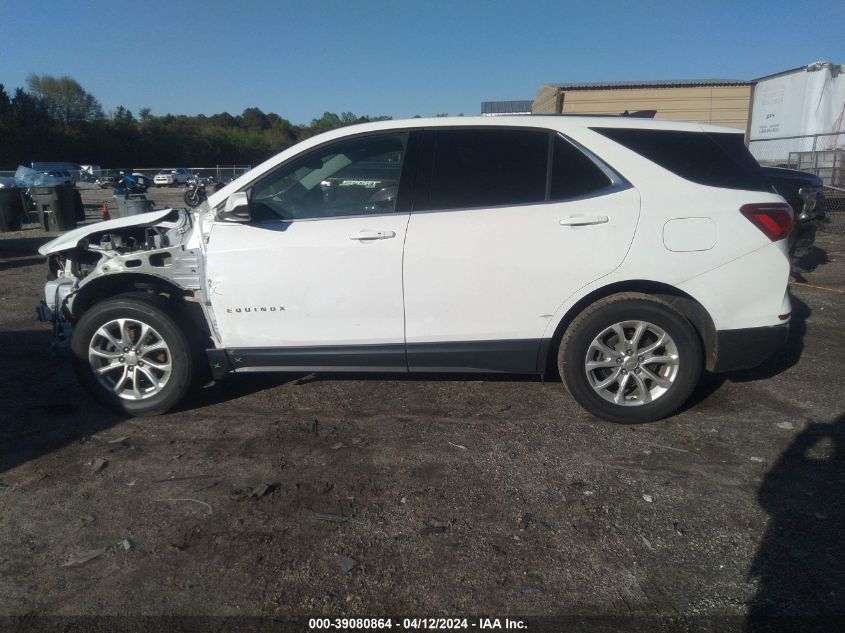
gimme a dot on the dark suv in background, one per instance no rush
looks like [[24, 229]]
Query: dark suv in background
[[805, 194]]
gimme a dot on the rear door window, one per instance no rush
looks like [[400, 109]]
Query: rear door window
[[487, 167], [706, 158]]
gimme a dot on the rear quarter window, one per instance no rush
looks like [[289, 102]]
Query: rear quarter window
[[706, 158], [573, 174]]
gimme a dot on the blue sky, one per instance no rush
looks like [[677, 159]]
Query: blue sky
[[399, 58]]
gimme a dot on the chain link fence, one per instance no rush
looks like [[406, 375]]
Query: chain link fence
[[819, 154], [219, 173], [835, 199]]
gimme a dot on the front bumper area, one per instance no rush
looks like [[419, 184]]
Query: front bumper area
[[62, 329], [747, 347]]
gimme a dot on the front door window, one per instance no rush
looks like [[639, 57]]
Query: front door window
[[358, 177]]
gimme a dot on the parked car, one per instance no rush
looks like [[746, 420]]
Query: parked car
[[172, 177], [625, 254], [60, 174], [805, 194], [66, 171]]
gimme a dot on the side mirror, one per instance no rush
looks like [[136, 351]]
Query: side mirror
[[236, 208]]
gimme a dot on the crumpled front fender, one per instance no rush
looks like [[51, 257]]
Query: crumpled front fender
[[71, 239]]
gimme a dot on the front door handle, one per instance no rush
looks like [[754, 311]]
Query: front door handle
[[372, 235], [583, 220]]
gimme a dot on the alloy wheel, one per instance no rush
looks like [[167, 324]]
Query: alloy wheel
[[632, 363], [130, 359]]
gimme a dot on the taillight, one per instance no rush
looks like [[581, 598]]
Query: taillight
[[775, 220]]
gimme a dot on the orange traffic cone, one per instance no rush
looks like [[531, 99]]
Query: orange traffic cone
[[106, 215]]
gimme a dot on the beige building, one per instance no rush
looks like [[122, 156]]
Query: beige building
[[718, 101]]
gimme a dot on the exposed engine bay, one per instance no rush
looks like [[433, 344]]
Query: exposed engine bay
[[152, 252]]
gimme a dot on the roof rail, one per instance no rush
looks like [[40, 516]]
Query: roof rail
[[637, 114]]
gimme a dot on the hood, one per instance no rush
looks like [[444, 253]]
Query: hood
[[71, 239]]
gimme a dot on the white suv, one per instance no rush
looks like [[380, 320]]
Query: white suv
[[628, 255], [172, 177]]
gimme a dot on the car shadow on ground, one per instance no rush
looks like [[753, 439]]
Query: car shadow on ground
[[808, 262], [799, 564], [44, 408], [11, 263], [242, 385], [45, 428], [22, 243]]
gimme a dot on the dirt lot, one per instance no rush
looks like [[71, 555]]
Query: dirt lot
[[438, 496]]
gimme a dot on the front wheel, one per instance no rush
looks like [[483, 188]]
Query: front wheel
[[630, 358], [193, 197], [130, 354]]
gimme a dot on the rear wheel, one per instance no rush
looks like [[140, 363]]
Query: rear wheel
[[630, 358], [132, 355]]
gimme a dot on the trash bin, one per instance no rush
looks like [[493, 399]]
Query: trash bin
[[11, 209], [54, 204], [78, 208], [135, 205]]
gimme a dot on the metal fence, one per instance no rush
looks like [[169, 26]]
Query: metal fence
[[835, 199], [220, 173], [820, 154]]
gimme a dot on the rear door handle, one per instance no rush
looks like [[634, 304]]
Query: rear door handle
[[583, 220], [372, 235]]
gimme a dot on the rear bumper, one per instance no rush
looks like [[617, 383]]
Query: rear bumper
[[747, 347]]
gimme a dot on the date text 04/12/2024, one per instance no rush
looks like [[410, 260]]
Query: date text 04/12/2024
[[415, 623]]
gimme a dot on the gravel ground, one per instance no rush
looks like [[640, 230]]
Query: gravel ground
[[301, 496]]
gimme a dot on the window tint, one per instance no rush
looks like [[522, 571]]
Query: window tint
[[488, 167], [354, 177], [573, 174], [715, 159]]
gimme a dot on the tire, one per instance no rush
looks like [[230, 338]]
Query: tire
[[192, 200], [135, 310], [653, 389]]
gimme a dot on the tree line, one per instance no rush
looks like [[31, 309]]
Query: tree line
[[55, 119]]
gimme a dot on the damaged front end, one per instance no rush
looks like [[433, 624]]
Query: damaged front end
[[156, 252]]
